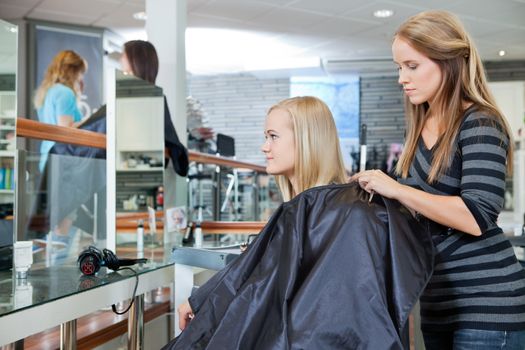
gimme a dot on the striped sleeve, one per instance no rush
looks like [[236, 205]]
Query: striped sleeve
[[483, 144]]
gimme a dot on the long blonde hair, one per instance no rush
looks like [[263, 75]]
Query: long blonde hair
[[318, 159], [64, 68], [440, 36]]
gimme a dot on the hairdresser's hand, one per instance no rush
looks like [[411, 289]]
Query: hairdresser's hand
[[185, 315], [378, 182]]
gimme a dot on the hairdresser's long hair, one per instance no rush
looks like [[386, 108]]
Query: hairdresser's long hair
[[441, 37], [318, 159], [64, 69], [143, 59]]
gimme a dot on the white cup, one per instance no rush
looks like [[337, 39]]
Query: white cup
[[23, 257]]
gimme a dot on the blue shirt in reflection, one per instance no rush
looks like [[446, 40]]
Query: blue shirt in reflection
[[60, 100]]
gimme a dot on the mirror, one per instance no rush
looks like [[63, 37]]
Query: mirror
[[139, 164], [8, 113]]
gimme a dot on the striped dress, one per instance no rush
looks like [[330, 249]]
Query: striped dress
[[477, 282]]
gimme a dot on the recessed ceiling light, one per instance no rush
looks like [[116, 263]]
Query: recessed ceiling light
[[141, 16], [502, 53], [383, 13]]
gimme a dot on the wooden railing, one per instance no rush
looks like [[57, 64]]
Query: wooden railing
[[41, 131], [231, 227], [127, 222], [204, 158]]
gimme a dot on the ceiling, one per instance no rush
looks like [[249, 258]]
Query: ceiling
[[334, 30]]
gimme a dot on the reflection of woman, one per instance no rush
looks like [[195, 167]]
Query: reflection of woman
[[319, 275], [452, 171], [56, 102], [56, 97], [140, 59]]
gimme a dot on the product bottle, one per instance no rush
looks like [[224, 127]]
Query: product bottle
[[140, 239], [198, 235], [160, 198]]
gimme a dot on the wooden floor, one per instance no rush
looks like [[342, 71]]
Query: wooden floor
[[100, 327]]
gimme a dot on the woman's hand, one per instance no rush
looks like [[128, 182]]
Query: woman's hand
[[376, 181], [185, 315], [446, 210]]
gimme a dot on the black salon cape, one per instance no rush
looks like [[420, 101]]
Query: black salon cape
[[328, 271]]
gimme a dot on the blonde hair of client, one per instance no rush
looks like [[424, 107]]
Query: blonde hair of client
[[317, 154]]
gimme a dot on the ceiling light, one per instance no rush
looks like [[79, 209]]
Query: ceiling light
[[502, 53], [383, 13], [141, 16]]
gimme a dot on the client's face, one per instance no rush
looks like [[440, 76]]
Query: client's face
[[279, 146]]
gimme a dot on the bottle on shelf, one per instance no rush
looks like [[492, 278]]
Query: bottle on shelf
[[140, 238], [159, 199]]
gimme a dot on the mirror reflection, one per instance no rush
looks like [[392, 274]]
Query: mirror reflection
[[139, 157], [8, 66], [61, 188]]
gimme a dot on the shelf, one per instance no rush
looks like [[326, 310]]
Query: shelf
[[7, 153], [4, 191], [7, 127], [141, 150], [140, 170]]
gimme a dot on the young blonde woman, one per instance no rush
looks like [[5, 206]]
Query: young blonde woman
[[56, 103], [452, 171], [56, 97], [298, 160], [329, 271]]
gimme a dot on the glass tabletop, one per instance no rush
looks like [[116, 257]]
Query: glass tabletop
[[51, 283]]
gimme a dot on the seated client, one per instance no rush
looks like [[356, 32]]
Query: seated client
[[330, 270]]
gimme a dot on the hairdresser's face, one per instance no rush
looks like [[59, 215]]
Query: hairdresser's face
[[125, 65], [419, 75], [279, 146]]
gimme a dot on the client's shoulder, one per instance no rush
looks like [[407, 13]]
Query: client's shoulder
[[331, 197]]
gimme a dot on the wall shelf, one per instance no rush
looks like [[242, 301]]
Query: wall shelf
[[7, 127], [140, 170]]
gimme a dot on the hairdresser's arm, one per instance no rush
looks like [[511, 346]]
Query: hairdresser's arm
[[450, 211]]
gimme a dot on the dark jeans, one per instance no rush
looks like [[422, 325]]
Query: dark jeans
[[474, 339]]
